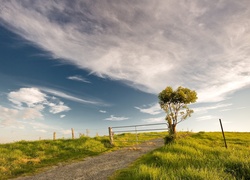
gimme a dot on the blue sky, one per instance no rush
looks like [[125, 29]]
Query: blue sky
[[95, 64]]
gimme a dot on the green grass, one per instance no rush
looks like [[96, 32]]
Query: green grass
[[129, 139], [197, 156], [29, 157]]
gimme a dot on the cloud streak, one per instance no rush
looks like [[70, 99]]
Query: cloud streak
[[213, 107], [147, 45], [68, 96], [155, 120], [152, 110], [102, 111], [114, 118], [78, 78]]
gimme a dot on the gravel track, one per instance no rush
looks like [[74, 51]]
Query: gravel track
[[98, 167]]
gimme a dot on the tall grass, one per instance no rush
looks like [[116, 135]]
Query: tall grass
[[28, 157], [198, 156]]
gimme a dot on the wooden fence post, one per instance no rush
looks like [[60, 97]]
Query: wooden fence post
[[87, 132], [223, 133], [73, 134], [111, 136], [54, 136]]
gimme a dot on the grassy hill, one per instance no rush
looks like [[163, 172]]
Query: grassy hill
[[31, 156], [27, 157], [196, 156], [193, 156]]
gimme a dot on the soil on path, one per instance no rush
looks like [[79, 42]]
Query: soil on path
[[98, 167]]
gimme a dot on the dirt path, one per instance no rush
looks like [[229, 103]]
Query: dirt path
[[98, 167]]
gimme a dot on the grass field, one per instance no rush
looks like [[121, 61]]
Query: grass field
[[26, 157], [196, 156]]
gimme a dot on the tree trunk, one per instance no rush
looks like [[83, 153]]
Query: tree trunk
[[174, 129]]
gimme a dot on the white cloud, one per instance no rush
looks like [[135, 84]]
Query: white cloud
[[153, 110], [62, 116], [205, 118], [155, 120], [102, 111], [8, 116], [42, 130], [31, 113], [57, 108], [147, 45], [113, 118], [29, 104], [36, 100], [28, 96], [212, 107], [223, 110], [78, 78]]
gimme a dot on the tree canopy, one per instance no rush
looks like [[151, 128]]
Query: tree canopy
[[174, 103]]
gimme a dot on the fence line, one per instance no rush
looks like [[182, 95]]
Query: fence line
[[79, 132], [135, 130], [73, 133]]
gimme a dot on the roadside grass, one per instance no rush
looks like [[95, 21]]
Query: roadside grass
[[29, 157], [197, 156]]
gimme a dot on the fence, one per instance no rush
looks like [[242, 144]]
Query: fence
[[136, 130], [77, 133]]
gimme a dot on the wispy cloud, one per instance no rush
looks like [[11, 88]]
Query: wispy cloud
[[114, 118], [205, 109], [155, 120], [205, 118], [62, 116], [78, 78], [69, 97], [147, 45], [42, 130], [102, 111], [153, 110]]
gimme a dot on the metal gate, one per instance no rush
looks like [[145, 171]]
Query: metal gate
[[137, 134]]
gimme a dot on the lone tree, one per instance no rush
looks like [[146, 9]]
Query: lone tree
[[174, 103]]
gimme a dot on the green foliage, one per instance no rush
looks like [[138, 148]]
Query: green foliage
[[174, 103], [181, 95], [196, 156]]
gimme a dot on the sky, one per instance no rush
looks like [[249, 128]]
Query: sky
[[90, 65]]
